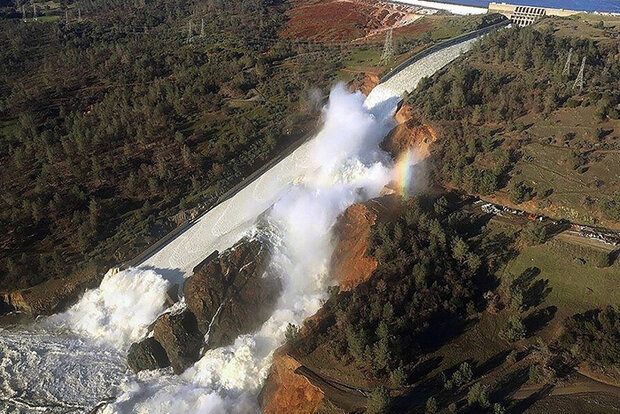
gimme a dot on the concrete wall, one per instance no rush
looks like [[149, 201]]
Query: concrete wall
[[526, 15]]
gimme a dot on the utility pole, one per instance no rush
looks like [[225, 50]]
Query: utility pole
[[202, 28], [579, 80], [34, 11], [79, 16], [24, 12], [388, 48], [67, 17], [566, 70]]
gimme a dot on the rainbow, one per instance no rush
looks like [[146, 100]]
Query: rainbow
[[403, 171]]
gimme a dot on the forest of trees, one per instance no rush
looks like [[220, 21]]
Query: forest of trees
[[512, 73], [430, 277], [112, 124], [594, 336]]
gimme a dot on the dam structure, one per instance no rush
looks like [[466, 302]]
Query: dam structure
[[220, 227], [77, 360]]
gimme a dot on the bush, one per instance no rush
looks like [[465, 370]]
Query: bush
[[511, 358], [431, 406], [533, 234], [514, 329], [292, 333], [536, 374], [478, 395], [378, 401]]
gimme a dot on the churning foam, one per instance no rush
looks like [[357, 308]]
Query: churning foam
[[120, 310], [346, 166]]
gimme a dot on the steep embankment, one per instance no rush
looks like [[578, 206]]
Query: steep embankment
[[344, 20], [364, 82], [410, 134], [286, 385], [287, 391]]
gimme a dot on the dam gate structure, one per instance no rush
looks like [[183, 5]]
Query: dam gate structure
[[526, 15]]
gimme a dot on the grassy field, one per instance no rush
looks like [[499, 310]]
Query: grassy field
[[574, 282]]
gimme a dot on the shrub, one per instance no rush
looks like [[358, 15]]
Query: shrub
[[478, 395], [511, 358], [514, 329], [533, 234], [378, 401], [431, 406], [292, 333]]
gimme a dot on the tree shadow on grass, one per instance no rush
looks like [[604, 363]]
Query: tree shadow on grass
[[522, 405], [536, 293], [538, 319], [491, 363], [509, 385]]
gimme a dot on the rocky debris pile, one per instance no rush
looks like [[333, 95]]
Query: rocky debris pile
[[228, 295]]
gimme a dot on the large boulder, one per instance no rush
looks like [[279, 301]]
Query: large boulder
[[229, 294], [179, 336], [147, 354], [232, 293]]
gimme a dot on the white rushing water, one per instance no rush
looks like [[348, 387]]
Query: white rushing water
[[72, 361]]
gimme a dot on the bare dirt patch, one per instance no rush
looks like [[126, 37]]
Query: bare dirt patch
[[344, 20]]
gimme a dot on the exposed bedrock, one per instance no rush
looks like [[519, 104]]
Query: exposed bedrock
[[147, 354], [229, 294], [234, 293], [364, 82], [410, 133], [49, 297], [179, 336]]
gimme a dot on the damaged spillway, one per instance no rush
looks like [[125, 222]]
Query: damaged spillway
[[77, 360]]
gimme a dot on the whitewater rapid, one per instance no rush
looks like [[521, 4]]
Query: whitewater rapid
[[74, 361]]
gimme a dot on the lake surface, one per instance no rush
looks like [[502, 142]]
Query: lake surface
[[582, 5]]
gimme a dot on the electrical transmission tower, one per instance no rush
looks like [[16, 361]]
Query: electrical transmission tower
[[579, 80], [566, 70], [388, 48], [189, 32]]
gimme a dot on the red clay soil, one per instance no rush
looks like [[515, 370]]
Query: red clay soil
[[343, 20], [410, 133], [350, 265], [286, 391], [364, 82]]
